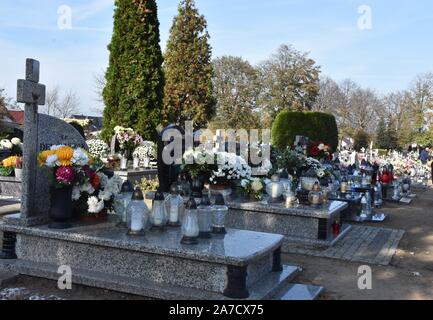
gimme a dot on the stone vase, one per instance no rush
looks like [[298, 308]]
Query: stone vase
[[95, 218], [61, 209], [18, 174]]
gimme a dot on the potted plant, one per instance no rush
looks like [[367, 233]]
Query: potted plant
[[230, 169], [198, 164]]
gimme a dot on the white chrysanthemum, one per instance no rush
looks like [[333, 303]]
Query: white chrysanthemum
[[257, 185], [6, 144], [76, 193], [51, 160], [95, 206], [16, 141], [57, 147], [80, 157]]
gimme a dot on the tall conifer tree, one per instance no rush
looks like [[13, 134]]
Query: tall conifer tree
[[135, 82], [188, 72]]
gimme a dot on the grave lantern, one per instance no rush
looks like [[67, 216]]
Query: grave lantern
[[175, 207], [137, 214], [158, 218], [275, 189], [219, 213], [378, 201], [190, 228], [205, 218], [122, 200], [366, 206]]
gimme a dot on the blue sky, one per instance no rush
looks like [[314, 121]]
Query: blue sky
[[385, 58]]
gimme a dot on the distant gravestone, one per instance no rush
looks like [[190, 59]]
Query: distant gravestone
[[41, 132]]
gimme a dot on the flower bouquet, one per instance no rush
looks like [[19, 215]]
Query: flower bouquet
[[94, 193], [98, 149], [14, 145], [128, 140], [229, 171], [198, 163], [320, 151], [253, 188], [145, 153], [63, 164], [8, 165]]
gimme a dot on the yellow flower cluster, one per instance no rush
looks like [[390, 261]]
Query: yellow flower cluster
[[64, 156], [10, 162]]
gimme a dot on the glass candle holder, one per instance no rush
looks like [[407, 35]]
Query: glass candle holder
[[137, 214], [205, 218], [158, 218], [275, 189], [121, 201], [190, 228], [219, 213], [175, 207], [315, 197]]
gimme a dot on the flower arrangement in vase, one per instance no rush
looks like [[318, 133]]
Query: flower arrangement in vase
[[94, 194], [128, 140], [63, 164], [8, 166], [145, 153]]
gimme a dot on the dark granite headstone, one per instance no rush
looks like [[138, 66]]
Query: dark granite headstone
[[168, 174]]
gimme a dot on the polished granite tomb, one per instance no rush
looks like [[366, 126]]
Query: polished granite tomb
[[301, 225], [239, 265]]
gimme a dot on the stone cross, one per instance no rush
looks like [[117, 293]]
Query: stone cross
[[30, 92]]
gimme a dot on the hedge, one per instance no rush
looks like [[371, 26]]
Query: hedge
[[316, 126]]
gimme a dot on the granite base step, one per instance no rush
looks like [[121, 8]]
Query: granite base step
[[273, 285]]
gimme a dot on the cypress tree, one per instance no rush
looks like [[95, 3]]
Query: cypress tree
[[188, 93], [133, 94]]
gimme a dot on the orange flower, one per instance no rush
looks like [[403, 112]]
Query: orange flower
[[10, 162], [64, 155]]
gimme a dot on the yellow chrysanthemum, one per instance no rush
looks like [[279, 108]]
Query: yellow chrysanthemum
[[42, 157], [9, 162], [64, 155]]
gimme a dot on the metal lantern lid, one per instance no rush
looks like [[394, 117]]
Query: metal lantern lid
[[205, 201], [191, 204], [174, 189], [317, 187], [159, 196], [219, 200], [137, 195], [127, 187], [275, 178]]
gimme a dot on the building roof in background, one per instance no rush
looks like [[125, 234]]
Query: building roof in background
[[17, 116], [96, 121]]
